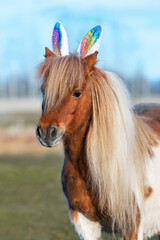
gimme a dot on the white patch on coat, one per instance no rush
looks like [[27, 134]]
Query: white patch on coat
[[140, 232], [151, 211], [86, 229]]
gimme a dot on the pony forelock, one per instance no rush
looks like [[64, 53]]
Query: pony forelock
[[60, 75]]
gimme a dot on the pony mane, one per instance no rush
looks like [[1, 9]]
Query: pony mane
[[60, 75], [119, 143], [118, 147]]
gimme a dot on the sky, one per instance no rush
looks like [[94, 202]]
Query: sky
[[130, 43]]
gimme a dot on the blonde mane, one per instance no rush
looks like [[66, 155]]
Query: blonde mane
[[118, 142], [118, 146]]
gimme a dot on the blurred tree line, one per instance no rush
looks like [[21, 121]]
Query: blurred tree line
[[23, 86], [19, 86]]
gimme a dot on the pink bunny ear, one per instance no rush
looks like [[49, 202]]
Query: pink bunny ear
[[60, 40], [91, 42]]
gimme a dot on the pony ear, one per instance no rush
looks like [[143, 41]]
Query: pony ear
[[60, 40], [48, 53], [90, 61], [91, 42]]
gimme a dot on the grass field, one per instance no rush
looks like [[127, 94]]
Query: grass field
[[32, 205]]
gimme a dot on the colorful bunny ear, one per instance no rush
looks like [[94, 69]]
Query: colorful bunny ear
[[60, 40], [91, 42]]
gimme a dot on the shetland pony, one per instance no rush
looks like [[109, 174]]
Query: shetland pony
[[111, 170]]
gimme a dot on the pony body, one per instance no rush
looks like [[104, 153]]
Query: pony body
[[111, 166]]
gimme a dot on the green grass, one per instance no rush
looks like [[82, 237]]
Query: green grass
[[32, 205]]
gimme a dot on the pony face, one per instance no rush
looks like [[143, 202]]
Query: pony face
[[66, 92], [66, 89]]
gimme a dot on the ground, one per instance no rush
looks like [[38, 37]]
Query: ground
[[32, 205]]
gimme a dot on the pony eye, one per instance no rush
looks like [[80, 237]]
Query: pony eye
[[77, 93]]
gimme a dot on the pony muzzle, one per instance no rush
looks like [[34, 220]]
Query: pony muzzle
[[50, 136]]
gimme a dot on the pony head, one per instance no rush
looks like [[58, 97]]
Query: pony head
[[65, 87]]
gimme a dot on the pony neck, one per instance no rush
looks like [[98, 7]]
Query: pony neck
[[74, 144]]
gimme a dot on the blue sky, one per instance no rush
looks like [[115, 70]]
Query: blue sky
[[131, 39]]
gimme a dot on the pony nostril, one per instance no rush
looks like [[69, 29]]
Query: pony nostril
[[53, 132], [38, 131]]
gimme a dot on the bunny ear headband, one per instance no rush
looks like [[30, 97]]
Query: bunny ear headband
[[89, 44]]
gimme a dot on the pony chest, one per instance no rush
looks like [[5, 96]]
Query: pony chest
[[76, 192]]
